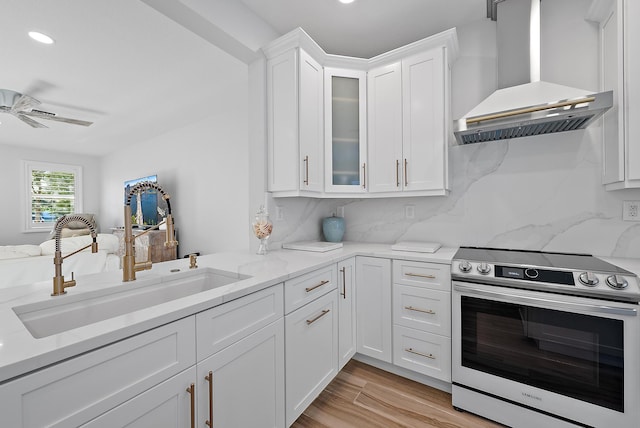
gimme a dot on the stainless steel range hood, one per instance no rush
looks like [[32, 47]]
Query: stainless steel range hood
[[533, 108]]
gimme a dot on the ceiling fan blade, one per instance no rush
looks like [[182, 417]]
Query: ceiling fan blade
[[24, 102], [51, 116], [32, 123]]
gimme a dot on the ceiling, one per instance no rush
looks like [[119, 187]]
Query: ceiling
[[136, 72]]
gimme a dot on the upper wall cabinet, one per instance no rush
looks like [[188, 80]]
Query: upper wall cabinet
[[295, 124], [345, 130], [386, 123], [407, 118], [620, 66]]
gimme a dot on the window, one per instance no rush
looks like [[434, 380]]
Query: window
[[52, 190]]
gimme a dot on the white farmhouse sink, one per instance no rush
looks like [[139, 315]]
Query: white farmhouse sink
[[60, 314]]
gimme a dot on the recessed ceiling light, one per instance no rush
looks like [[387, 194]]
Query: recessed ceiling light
[[40, 37], [346, 1]]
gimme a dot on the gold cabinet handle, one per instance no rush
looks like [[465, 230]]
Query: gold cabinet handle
[[406, 179], [364, 175], [426, 311], [308, 289], [192, 392], [306, 170], [323, 313], [397, 173], [344, 283], [431, 356], [209, 379], [421, 275]]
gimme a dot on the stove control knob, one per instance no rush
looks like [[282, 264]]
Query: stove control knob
[[531, 273], [464, 266], [484, 268], [588, 279], [617, 281]]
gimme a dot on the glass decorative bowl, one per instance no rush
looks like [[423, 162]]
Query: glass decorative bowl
[[262, 228]]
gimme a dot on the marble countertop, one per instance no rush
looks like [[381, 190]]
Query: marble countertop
[[21, 353]]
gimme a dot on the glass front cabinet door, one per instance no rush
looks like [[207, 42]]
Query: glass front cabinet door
[[345, 131]]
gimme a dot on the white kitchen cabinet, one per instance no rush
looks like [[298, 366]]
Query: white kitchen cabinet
[[425, 121], [77, 390], [243, 384], [385, 128], [346, 311], [311, 349], [241, 361], [167, 405], [373, 307], [408, 124], [345, 130], [385, 135], [305, 288], [295, 124], [620, 64], [422, 318], [422, 352]]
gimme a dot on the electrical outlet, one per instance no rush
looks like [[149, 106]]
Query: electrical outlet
[[340, 211], [279, 213], [631, 210], [409, 211]]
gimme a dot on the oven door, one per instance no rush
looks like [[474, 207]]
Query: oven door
[[571, 357]]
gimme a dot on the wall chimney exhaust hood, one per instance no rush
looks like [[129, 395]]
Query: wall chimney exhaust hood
[[533, 108]]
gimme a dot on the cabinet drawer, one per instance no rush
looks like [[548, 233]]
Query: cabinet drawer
[[422, 352], [421, 274], [224, 325], [77, 390], [422, 309], [305, 288]]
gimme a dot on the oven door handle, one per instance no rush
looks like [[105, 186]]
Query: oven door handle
[[548, 303]]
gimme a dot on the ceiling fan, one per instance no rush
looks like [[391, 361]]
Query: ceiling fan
[[21, 106]]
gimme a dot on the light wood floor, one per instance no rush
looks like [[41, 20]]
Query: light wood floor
[[364, 396]]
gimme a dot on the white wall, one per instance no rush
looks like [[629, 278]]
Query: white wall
[[13, 197], [204, 167]]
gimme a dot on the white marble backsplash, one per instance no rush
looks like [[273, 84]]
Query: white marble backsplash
[[538, 193]]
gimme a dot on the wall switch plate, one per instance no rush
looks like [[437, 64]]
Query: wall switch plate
[[631, 210], [340, 211], [409, 211], [279, 213]]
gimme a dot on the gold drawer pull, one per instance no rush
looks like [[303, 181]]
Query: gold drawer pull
[[192, 392], [209, 379], [323, 313], [426, 311], [420, 353], [421, 275], [308, 289]]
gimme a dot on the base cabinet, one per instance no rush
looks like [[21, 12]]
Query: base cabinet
[[346, 311], [78, 390], [166, 405], [311, 347], [422, 318], [373, 307], [243, 385]]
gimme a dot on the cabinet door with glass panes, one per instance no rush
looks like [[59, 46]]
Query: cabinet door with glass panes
[[345, 131]]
